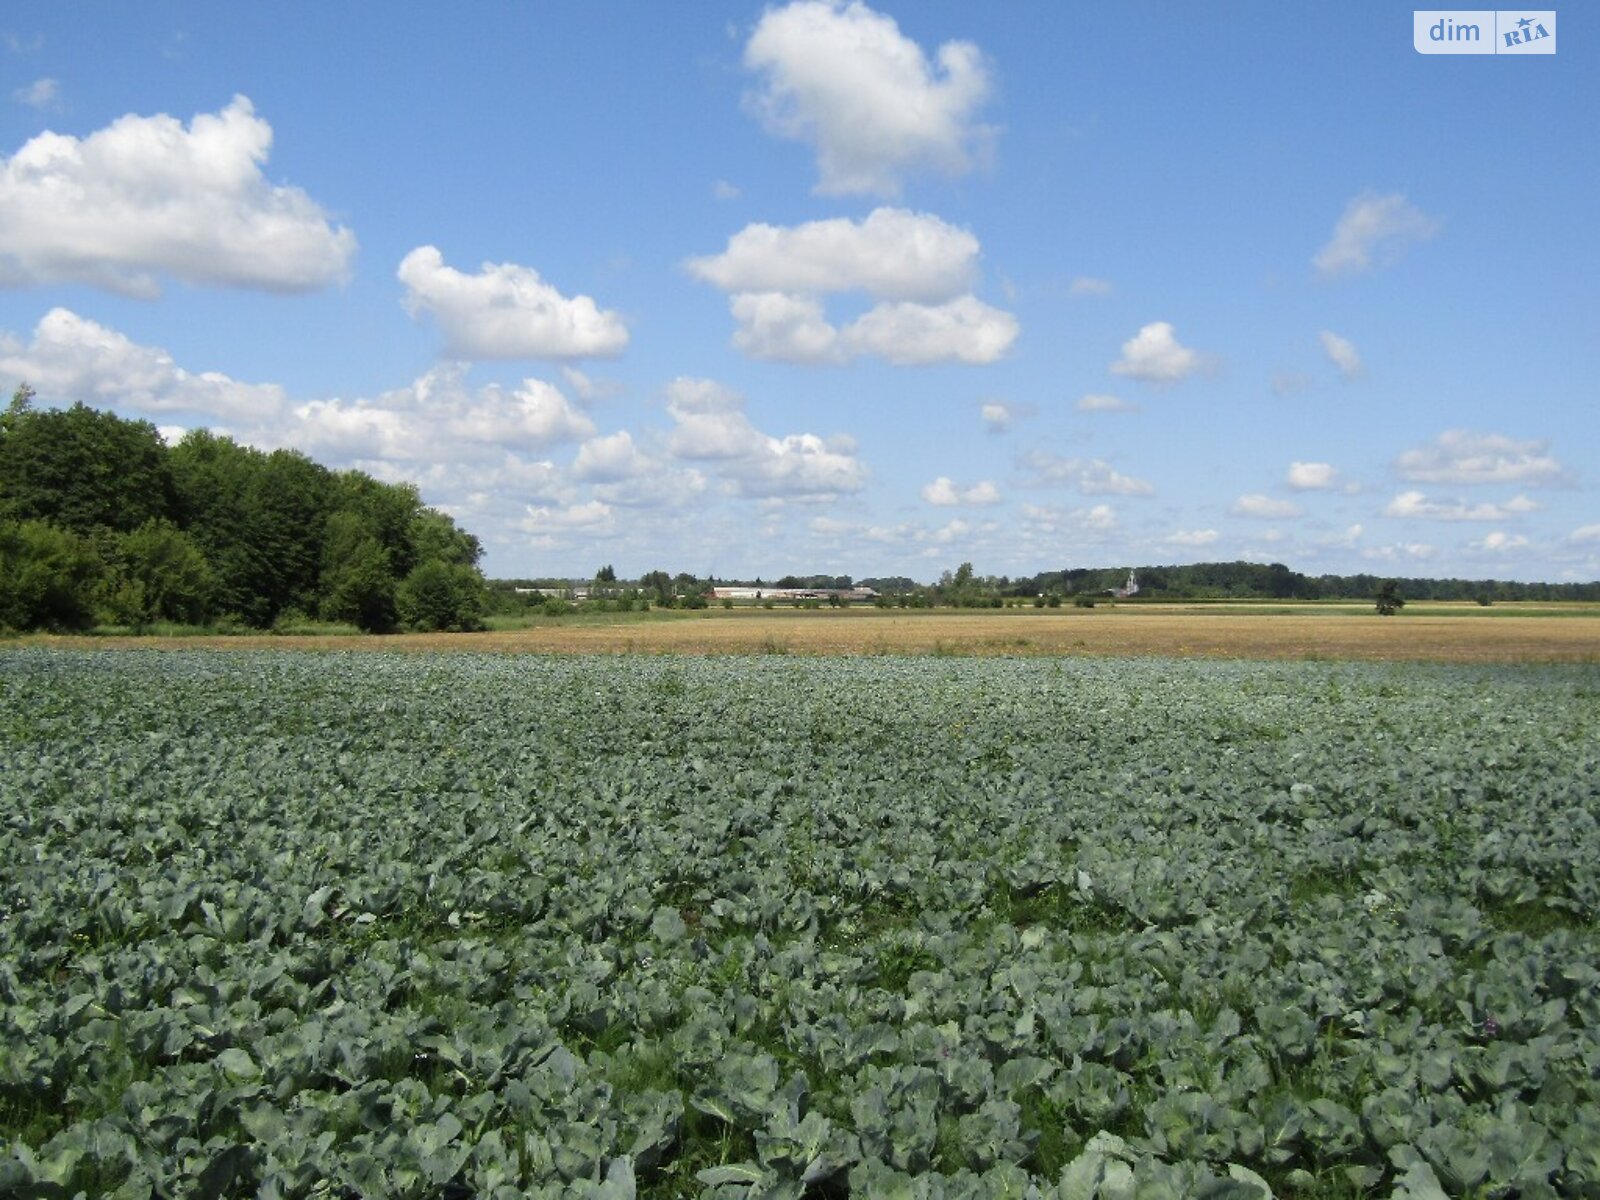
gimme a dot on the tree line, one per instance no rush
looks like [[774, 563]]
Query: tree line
[[103, 523]]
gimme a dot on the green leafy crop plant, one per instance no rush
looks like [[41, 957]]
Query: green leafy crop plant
[[795, 926]]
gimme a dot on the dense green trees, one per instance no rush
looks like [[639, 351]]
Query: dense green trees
[[101, 521]]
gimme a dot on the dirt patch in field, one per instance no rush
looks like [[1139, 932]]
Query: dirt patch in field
[[1318, 632]]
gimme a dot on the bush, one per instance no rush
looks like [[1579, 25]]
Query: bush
[[48, 577], [441, 595], [1082, 602], [727, 604], [555, 606], [1389, 600]]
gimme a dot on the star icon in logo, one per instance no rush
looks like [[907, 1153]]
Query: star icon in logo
[[1524, 23]]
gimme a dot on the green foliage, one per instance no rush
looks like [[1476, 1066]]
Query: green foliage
[[48, 577], [491, 926], [357, 582], [211, 528], [81, 469], [159, 574], [442, 595], [1388, 599]]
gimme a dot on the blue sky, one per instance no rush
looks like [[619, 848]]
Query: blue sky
[[826, 287]]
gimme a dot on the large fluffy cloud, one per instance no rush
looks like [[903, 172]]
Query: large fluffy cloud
[[844, 79], [506, 311], [711, 427], [148, 196], [892, 254], [1155, 355], [439, 417], [918, 268], [1372, 227], [71, 358], [1462, 456]]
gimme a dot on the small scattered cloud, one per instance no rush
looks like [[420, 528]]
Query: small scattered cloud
[[1105, 403], [1373, 230], [1584, 534], [1500, 542], [1191, 537], [1345, 539], [1155, 355], [506, 311], [945, 493], [723, 190], [1342, 354], [1050, 520], [42, 94], [1088, 285], [844, 79], [1261, 506], [1312, 476], [1091, 477], [997, 415], [148, 196], [1416, 504], [1463, 457]]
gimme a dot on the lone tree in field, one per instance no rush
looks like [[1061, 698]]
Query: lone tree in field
[[1389, 600]]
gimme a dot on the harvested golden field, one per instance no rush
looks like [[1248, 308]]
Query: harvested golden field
[[1423, 633]]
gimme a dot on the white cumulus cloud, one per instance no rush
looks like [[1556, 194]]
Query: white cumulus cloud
[[147, 197], [1312, 476], [437, 417], [916, 267], [711, 427], [794, 328], [1191, 537], [944, 492], [507, 311], [1155, 355], [844, 79], [1500, 542], [1462, 457], [1091, 477], [1371, 227], [892, 254], [905, 333], [997, 415], [71, 358], [1342, 354], [1417, 504], [1585, 533]]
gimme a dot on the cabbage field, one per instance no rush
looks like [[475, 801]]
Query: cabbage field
[[379, 925]]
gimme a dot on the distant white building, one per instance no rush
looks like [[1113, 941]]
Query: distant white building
[[741, 592]]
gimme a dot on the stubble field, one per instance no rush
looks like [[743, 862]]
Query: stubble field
[[1464, 633]]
